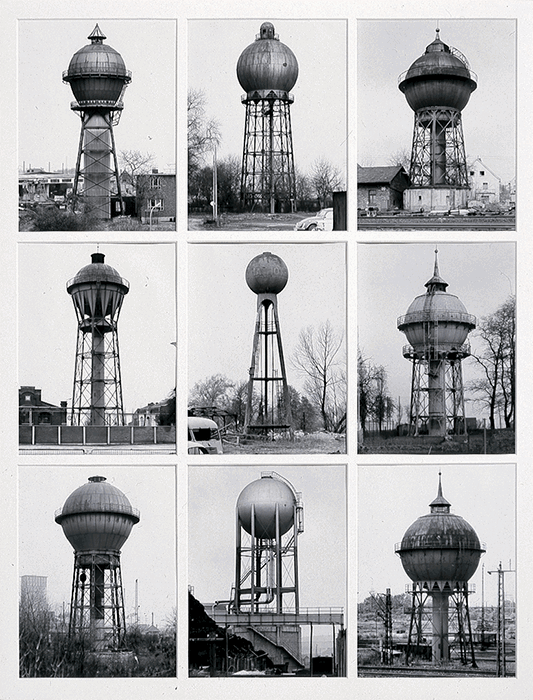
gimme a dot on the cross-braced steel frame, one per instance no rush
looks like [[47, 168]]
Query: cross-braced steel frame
[[97, 600], [97, 162], [97, 391], [438, 155], [266, 570], [437, 394], [267, 178], [458, 628], [268, 406]]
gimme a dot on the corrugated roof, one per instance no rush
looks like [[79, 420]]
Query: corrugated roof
[[377, 174]]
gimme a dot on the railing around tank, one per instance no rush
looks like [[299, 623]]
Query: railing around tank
[[90, 72], [433, 351], [436, 315], [431, 71], [439, 542], [104, 508]]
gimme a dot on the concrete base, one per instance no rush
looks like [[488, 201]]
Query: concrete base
[[428, 199]]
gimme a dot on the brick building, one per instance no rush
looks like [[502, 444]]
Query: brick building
[[381, 187]]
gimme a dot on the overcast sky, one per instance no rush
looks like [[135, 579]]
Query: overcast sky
[[319, 107], [387, 48], [148, 554], [222, 308], [213, 493], [49, 130], [390, 276], [146, 326], [391, 498]]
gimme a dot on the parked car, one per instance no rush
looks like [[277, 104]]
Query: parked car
[[322, 221], [195, 448], [205, 433]]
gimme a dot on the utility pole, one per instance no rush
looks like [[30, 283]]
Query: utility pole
[[501, 661]]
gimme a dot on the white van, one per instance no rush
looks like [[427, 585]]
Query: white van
[[205, 432]]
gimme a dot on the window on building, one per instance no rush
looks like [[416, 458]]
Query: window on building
[[372, 196], [472, 173], [27, 397], [482, 173], [158, 204], [485, 185], [155, 183]]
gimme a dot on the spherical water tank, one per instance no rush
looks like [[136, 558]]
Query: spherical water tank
[[440, 546], [97, 516], [439, 78], [97, 73], [267, 274], [267, 64], [265, 495]]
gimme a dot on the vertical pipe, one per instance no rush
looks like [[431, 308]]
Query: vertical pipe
[[440, 626]]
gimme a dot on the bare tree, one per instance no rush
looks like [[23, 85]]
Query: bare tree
[[316, 357], [325, 178], [401, 157], [134, 163], [212, 391], [202, 131], [496, 357]]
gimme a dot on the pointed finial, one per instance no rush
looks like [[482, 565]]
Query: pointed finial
[[97, 36], [440, 504], [436, 267], [440, 485]]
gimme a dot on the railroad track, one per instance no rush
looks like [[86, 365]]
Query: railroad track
[[418, 672], [466, 223]]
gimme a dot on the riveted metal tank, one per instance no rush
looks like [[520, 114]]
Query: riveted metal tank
[[97, 517], [267, 64], [442, 310], [267, 274], [97, 73], [440, 77], [97, 290], [266, 495], [440, 546]]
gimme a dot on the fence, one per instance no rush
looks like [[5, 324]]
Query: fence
[[96, 434]]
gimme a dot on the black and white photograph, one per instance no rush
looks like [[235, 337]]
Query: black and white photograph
[[81, 391], [437, 348], [97, 572], [97, 125], [436, 115], [267, 124], [437, 570], [299, 235], [267, 571], [267, 346]]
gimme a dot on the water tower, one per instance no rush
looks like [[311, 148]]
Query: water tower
[[98, 77], [267, 71], [440, 552], [268, 406], [269, 515], [437, 87], [97, 292], [437, 325], [97, 519]]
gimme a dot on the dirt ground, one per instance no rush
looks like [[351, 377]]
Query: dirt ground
[[494, 442], [315, 443], [247, 222]]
